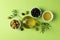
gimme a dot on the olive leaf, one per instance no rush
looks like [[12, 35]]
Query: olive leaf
[[45, 26], [15, 12]]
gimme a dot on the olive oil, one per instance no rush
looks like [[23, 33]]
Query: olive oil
[[29, 22], [47, 16]]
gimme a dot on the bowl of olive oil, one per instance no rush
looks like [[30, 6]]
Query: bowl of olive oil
[[47, 16]]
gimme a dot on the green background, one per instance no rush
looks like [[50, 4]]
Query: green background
[[7, 33]]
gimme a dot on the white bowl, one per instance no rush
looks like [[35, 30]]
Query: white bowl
[[50, 18], [18, 21], [37, 8]]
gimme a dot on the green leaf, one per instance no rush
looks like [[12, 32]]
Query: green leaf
[[45, 26], [15, 11]]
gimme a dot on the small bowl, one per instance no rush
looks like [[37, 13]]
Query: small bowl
[[15, 20], [36, 12], [50, 13]]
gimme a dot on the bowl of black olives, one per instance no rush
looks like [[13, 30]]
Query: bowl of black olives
[[36, 12]]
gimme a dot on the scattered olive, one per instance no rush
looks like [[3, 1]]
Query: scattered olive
[[22, 29], [37, 29], [9, 17], [27, 12], [23, 13]]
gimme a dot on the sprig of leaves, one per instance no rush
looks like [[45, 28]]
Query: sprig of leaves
[[44, 27], [14, 14]]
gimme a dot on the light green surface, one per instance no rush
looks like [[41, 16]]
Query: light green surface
[[6, 33]]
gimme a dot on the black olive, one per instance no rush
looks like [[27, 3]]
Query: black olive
[[22, 29], [23, 13], [35, 12]]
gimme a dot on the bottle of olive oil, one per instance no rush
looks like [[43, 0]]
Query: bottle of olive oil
[[29, 22]]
